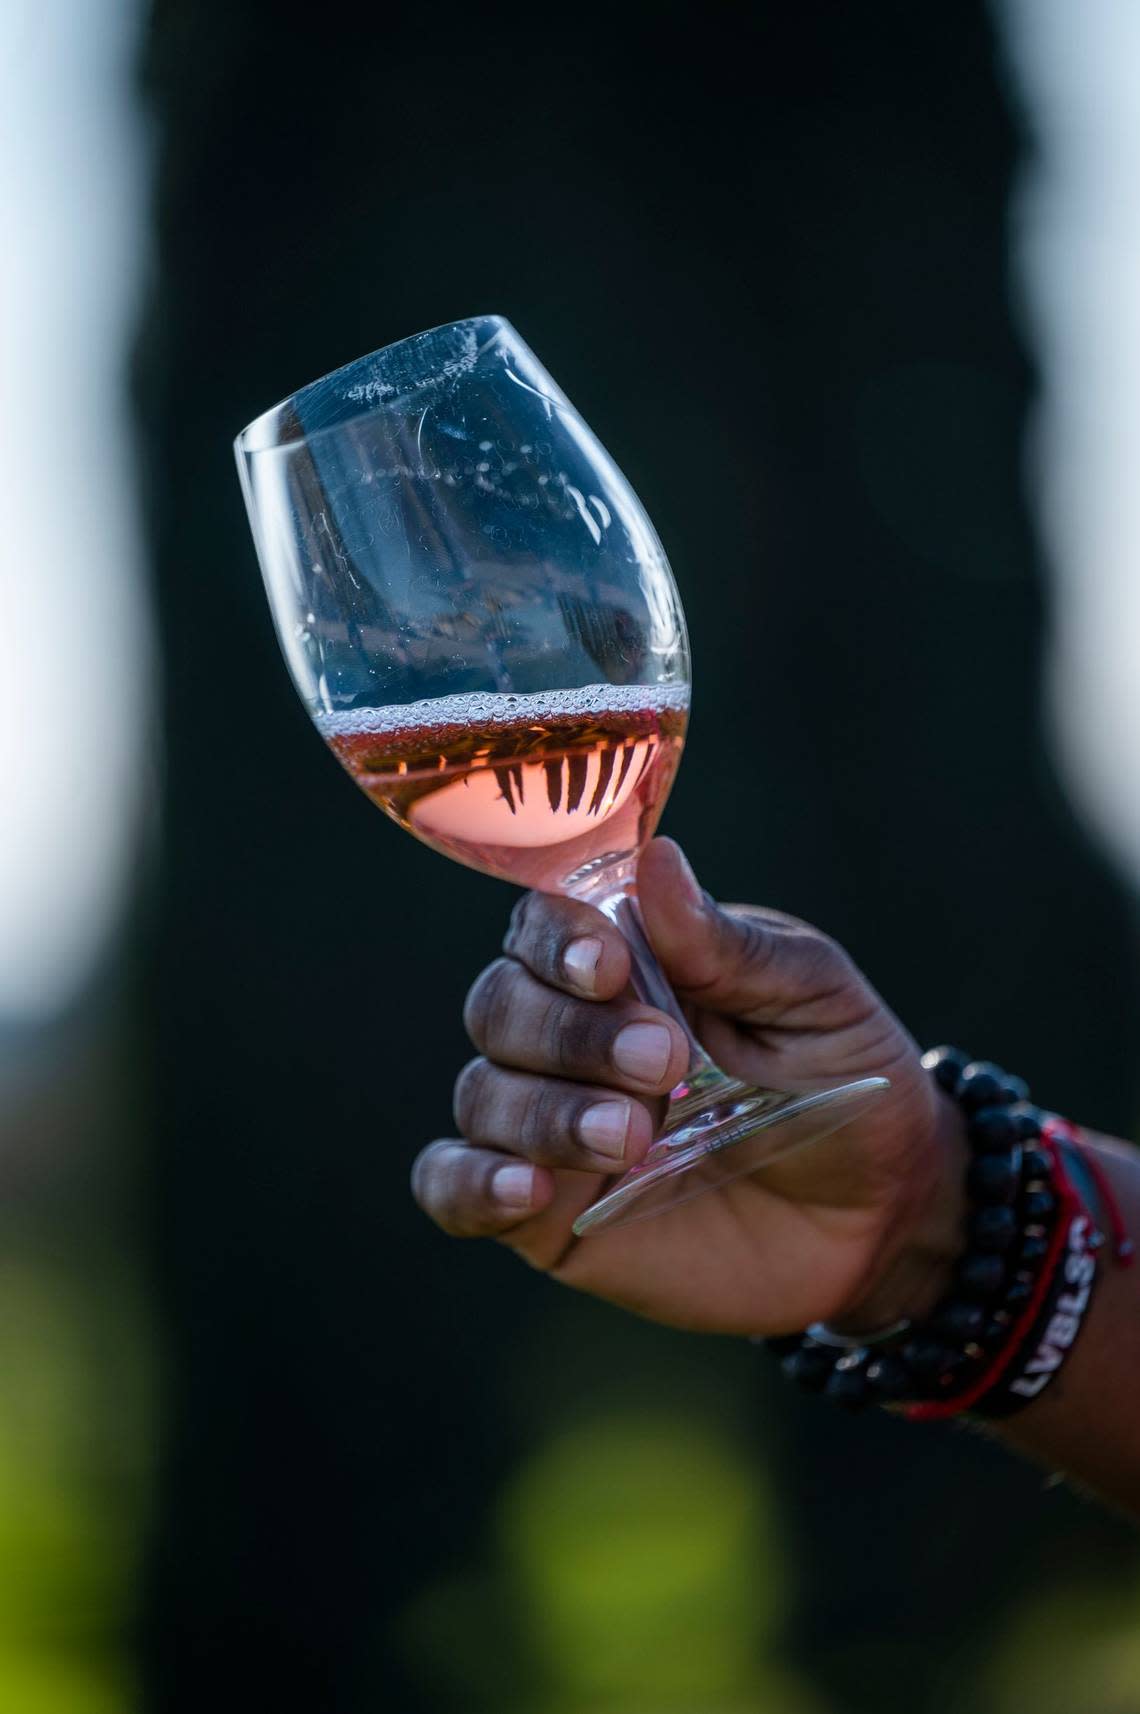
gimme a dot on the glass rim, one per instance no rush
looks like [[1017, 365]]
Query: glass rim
[[258, 430]]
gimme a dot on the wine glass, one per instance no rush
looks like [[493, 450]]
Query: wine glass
[[481, 620]]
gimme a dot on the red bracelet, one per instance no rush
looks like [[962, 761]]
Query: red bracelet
[[1042, 1338], [1124, 1249], [1072, 1235]]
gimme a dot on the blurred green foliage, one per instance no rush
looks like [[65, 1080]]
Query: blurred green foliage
[[74, 1426], [1071, 1649], [640, 1564]]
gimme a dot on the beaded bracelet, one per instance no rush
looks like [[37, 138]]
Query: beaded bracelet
[[995, 1341], [1052, 1326]]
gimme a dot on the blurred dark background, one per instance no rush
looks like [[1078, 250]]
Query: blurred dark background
[[765, 252]]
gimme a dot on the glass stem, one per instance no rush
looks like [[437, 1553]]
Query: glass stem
[[613, 891]]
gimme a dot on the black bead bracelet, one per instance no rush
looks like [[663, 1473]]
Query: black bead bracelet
[[1012, 1211]]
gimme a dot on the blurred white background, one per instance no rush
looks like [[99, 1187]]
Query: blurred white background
[[1076, 246], [77, 666]]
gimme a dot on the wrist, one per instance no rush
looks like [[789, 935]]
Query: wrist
[[931, 1227], [1008, 1258]]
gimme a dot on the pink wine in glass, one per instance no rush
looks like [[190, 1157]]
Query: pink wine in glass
[[535, 789]]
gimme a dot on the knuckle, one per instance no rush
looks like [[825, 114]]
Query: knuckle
[[427, 1177], [825, 962], [487, 1007], [815, 971], [417, 1177], [567, 1035], [439, 1183], [546, 1120], [747, 940], [549, 946], [517, 927], [537, 934], [755, 940], [469, 1095], [554, 1033]]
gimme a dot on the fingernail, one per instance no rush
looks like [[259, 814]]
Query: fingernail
[[513, 1186], [581, 960], [604, 1128], [642, 1051], [690, 886]]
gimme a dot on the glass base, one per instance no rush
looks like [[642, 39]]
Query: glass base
[[725, 1142]]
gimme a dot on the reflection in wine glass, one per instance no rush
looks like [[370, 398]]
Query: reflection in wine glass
[[477, 613]]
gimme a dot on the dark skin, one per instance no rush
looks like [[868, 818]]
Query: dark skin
[[857, 1230]]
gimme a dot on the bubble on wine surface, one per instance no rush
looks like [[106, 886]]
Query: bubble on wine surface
[[479, 708]]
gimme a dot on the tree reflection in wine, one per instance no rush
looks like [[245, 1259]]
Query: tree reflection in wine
[[530, 788]]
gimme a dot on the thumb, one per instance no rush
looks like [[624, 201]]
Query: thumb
[[751, 964]]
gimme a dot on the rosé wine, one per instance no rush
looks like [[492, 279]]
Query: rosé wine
[[529, 788]]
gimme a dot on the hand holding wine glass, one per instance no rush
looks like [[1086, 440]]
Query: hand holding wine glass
[[485, 628], [862, 1225]]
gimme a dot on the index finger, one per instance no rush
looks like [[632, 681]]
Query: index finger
[[568, 945]]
